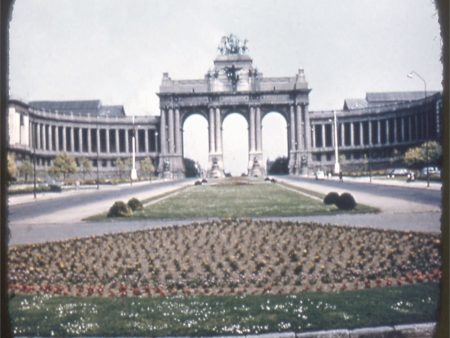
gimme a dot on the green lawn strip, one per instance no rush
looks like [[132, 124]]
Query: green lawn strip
[[103, 216], [222, 315], [250, 200], [360, 208]]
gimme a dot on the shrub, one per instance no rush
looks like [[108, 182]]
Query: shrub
[[120, 209], [198, 183], [346, 202], [331, 198], [204, 180], [135, 204], [273, 180]]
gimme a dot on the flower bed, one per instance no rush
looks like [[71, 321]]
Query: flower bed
[[232, 256]]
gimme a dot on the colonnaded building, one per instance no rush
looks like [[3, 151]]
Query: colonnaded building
[[375, 128]]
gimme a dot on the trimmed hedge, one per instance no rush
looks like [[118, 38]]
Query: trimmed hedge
[[346, 202], [120, 209], [135, 204], [331, 198]]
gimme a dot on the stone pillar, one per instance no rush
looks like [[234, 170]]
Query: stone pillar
[[322, 127], [387, 130], [395, 130], [292, 128], [38, 136], [352, 136], [370, 124], [117, 140], [64, 139], [127, 140], [379, 132], [56, 138], [211, 129], [72, 139], [342, 134], [402, 119], [258, 131], [299, 136], [50, 138], [80, 139], [361, 133], [135, 132], [162, 132], [218, 121], [146, 138], [178, 132], [252, 126], [89, 140], [171, 132], [108, 148], [97, 131]]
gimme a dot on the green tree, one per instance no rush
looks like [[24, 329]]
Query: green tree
[[121, 166], [85, 165], [279, 166], [12, 167], [147, 167], [417, 157], [63, 164], [26, 169]]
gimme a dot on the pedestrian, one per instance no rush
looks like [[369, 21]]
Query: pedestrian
[[340, 177]]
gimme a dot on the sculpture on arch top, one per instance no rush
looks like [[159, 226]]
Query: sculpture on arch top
[[232, 45]]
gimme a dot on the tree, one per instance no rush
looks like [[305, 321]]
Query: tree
[[121, 166], [417, 157], [63, 164], [12, 167], [279, 166], [85, 165], [147, 166], [191, 169], [26, 169]]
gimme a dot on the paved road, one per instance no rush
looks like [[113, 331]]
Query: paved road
[[406, 208]]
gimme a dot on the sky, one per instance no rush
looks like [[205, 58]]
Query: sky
[[116, 51]]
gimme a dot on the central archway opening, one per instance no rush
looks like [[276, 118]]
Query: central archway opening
[[274, 141], [195, 140], [235, 144]]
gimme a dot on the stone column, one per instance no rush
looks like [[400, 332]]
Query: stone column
[[162, 132], [252, 136], [171, 132], [361, 134], [38, 136], [117, 140], [108, 148], [64, 139], [218, 121], [89, 140], [292, 127], [177, 132], [410, 128], [80, 139], [299, 135], [211, 129], [50, 138], [258, 131], [136, 139], [56, 138], [352, 134], [387, 130], [97, 131], [379, 132], [342, 134], [402, 119], [146, 138], [395, 130], [72, 139], [370, 132], [307, 128], [322, 126], [127, 140]]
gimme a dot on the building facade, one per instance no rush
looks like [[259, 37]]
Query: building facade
[[377, 128]]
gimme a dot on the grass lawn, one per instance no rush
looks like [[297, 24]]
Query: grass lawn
[[222, 315], [239, 198]]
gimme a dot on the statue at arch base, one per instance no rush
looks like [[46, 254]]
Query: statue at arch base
[[256, 167], [171, 167], [216, 168]]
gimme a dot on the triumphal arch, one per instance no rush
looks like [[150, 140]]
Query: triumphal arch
[[234, 85]]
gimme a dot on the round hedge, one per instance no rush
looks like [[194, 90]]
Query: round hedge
[[331, 198], [135, 204], [346, 202], [120, 209]]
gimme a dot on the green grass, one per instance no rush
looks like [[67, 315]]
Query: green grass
[[222, 315], [254, 199]]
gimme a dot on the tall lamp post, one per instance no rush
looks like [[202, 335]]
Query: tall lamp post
[[97, 145], [411, 75], [337, 166]]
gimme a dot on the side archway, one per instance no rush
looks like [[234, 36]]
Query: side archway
[[235, 144], [195, 140], [275, 141]]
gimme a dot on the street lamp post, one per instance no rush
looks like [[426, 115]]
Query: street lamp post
[[411, 75], [97, 145], [33, 133], [337, 167]]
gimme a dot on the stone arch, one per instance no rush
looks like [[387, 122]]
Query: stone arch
[[235, 130], [195, 143], [275, 142]]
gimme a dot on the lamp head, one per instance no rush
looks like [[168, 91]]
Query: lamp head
[[410, 75]]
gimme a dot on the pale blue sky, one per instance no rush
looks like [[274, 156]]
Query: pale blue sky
[[117, 50]]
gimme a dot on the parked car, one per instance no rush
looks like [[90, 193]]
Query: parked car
[[320, 174], [433, 171], [397, 172]]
